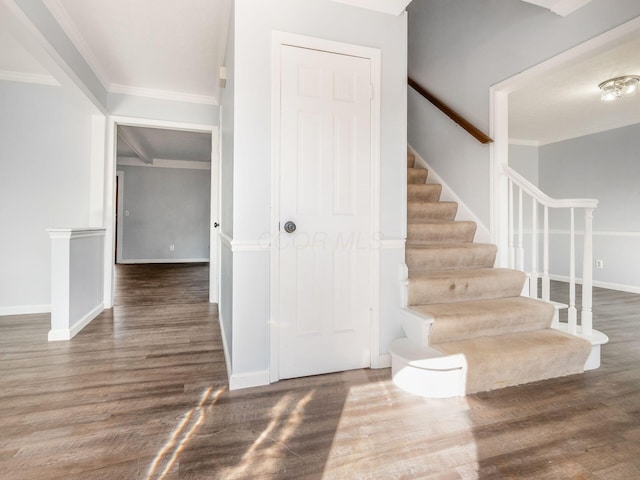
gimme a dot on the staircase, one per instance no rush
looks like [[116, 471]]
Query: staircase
[[481, 334]]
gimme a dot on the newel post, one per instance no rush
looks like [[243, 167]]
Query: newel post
[[587, 274]]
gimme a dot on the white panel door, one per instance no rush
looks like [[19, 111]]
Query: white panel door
[[325, 190]]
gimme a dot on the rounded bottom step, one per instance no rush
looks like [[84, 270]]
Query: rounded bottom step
[[427, 372]]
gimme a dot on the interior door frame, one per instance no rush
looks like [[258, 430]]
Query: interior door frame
[[278, 40], [120, 212], [110, 186]]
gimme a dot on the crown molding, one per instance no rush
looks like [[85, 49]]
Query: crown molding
[[162, 94], [71, 30], [560, 7], [164, 163], [176, 163], [587, 132], [391, 7], [524, 142], [572, 135], [23, 77]]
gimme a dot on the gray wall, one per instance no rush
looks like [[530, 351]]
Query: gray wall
[[166, 206], [605, 166], [458, 49], [524, 160], [226, 187], [45, 147]]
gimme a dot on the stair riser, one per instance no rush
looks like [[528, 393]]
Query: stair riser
[[427, 290], [416, 175], [454, 232], [423, 193], [419, 212], [419, 259]]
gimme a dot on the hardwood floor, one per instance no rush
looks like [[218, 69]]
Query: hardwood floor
[[141, 393]]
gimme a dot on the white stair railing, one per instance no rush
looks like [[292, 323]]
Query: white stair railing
[[522, 190]]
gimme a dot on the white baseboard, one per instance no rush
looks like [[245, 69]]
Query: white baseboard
[[24, 309], [464, 213], [59, 334], [610, 286], [239, 381], [249, 379], [68, 333], [383, 361], [617, 286], [163, 260], [225, 347]]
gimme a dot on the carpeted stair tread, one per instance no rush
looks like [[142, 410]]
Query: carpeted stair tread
[[448, 286], [463, 320], [416, 175], [440, 231], [419, 212], [449, 256], [426, 192], [505, 360]]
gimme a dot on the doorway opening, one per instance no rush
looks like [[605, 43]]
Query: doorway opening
[[164, 206]]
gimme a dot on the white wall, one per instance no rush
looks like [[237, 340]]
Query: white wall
[[605, 166], [226, 193], [157, 109], [166, 206], [45, 147], [254, 22], [458, 49]]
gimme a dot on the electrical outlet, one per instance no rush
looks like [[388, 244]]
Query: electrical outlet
[[599, 263], [172, 247]]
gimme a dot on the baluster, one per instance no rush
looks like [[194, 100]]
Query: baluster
[[520, 252], [572, 313], [533, 280], [586, 317], [512, 252], [546, 281]]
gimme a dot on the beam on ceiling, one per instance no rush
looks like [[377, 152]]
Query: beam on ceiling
[[137, 145]]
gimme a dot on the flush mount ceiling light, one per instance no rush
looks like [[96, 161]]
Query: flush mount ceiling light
[[619, 87]]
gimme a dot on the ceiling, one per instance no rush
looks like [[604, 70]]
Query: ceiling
[[149, 144], [565, 102], [17, 64], [166, 49], [172, 49]]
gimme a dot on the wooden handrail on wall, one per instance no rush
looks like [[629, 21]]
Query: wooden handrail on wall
[[452, 114]]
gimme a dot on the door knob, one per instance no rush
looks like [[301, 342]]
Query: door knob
[[216, 225], [289, 227]]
